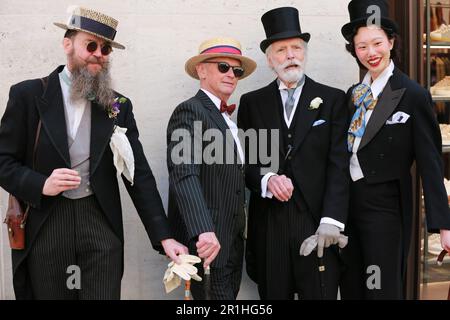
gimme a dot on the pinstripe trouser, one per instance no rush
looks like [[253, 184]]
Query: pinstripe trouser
[[287, 272], [225, 281], [76, 233]]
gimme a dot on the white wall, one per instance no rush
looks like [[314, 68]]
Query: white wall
[[160, 35]]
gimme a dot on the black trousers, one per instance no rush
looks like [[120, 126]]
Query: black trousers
[[373, 256], [225, 281], [288, 273], [76, 245]]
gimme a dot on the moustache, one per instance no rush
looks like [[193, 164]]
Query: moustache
[[295, 63], [96, 60]]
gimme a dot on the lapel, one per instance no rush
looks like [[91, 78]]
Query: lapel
[[51, 112], [304, 118], [350, 104], [270, 109], [102, 128], [217, 118], [389, 100]]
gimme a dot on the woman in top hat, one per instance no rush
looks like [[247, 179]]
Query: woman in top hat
[[392, 125]]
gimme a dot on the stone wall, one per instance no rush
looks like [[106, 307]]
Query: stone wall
[[160, 35]]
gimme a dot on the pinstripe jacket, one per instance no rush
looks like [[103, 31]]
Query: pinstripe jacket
[[202, 197]]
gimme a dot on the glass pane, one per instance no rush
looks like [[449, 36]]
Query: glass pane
[[434, 278]]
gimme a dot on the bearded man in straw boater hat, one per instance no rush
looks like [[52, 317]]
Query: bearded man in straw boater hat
[[207, 189], [63, 139]]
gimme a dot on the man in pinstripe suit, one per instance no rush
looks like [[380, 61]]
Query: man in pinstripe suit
[[75, 225], [207, 191]]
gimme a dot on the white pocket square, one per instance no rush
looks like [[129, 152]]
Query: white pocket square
[[398, 117], [318, 122]]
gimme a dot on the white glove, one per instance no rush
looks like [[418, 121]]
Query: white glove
[[171, 280], [311, 243], [328, 235], [123, 154], [185, 270]]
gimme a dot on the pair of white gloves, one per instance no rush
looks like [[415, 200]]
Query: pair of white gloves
[[325, 236], [185, 270]]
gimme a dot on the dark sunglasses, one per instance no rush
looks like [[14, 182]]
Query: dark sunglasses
[[224, 67], [92, 47]]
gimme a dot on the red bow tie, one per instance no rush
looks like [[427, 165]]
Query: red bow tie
[[228, 108]]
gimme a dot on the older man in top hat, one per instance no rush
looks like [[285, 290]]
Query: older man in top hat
[[60, 139], [309, 192], [207, 189]]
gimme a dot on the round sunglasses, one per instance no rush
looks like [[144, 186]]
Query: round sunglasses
[[223, 67], [105, 49]]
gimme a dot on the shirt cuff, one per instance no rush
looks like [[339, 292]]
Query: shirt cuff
[[264, 192], [336, 223]]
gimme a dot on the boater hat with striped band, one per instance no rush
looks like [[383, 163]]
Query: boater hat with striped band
[[93, 22], [220, 47]]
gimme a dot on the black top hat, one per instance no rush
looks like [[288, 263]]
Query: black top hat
[[281, 23], [360, 17]]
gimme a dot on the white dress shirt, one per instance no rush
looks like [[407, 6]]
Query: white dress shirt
[[74, 109], [284, 96], [233, 127], [377, 87]]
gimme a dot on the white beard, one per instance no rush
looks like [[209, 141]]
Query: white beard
[[292, 75]]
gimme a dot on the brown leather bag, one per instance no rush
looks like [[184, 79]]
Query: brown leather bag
[[15, 220], [16, 216]]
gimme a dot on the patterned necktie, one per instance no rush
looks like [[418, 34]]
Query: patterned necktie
[[363, 100], [228, 108]]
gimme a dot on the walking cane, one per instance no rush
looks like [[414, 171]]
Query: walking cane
[[187, 290], [207, 284], [321, 277]]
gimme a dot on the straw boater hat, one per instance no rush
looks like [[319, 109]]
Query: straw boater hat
[[93, 22], [220, 47]]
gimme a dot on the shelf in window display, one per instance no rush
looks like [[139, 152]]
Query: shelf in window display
[[440, 98], [438, 45]]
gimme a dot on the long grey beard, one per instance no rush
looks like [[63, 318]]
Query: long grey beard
[[86, 86]]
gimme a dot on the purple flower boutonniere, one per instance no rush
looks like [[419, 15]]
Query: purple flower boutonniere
[[114, 109]]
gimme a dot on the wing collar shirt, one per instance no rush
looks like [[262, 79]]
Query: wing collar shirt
[[377, 87], [73, 109], [284, 96]]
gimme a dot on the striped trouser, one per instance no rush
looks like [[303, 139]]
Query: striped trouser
[[76, 255], [225, 281], [287, 272]]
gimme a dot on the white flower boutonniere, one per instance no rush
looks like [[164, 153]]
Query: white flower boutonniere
[[315, 103]]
